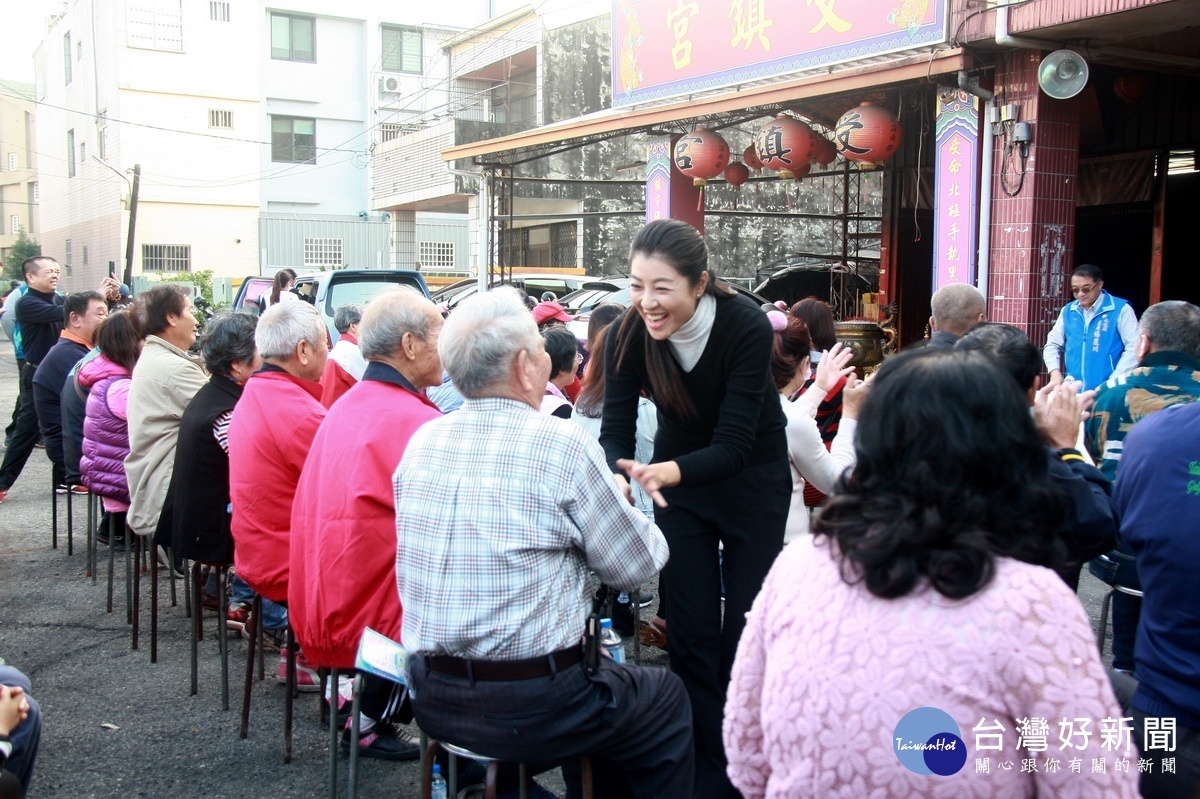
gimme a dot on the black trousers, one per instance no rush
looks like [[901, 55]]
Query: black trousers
[[632, 722], [746, 514], [25, 433], [12, 425]]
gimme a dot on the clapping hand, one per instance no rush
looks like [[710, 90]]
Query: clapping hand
[[1058, 410], [834, 365]]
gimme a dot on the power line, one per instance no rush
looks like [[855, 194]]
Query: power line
[[157, 127]]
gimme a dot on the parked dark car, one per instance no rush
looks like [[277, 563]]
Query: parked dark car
[[615, 289]]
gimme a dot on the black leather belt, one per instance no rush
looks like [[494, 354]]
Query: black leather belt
[[505, 670]]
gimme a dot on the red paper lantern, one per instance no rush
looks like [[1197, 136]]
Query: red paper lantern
[[736, 174], [701, 155], [785, 144], [1130, 87], [750, 158], [867, 134], [824, 153]]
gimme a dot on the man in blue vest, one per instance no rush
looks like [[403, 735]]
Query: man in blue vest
[[1096, 334]]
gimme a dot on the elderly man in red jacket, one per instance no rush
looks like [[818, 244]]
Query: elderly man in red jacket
[[269, 435], [343, 566]]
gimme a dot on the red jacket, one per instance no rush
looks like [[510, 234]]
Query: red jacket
[[269, 435], [343, 556], [337, 379]]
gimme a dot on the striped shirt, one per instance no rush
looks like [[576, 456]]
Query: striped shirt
[[500, 512], [221, 430]]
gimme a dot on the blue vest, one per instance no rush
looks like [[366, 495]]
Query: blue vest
[[1091, 354]]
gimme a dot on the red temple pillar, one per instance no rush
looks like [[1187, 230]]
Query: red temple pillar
[[1033, 202]]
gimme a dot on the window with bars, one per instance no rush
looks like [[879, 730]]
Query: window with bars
[[436, 254], [155, 25], [293, 140], [293, 38], [218, 11], [166, 257], [401, 49], [219, 118], [67, 58], [68, 260], [70, 153], [14, 222], [36, 193], [320, 252], [12, 160], [388, 131], [540, 245]]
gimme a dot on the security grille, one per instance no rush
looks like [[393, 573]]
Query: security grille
[[166, 257], [436, 254], [319, 252]]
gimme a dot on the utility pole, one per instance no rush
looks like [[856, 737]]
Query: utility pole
[[133, 200]]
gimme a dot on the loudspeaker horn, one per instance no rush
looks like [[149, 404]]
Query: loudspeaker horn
[[1063, 74]]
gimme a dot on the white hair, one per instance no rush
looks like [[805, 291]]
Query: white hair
[[482, 336], [284, 325], [388, 317]]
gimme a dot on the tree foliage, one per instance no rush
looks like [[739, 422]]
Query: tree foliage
[[22, 249]]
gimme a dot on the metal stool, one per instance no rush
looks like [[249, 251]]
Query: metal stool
[[256, 636], [493, 766], [1105, 604], [197, 589]]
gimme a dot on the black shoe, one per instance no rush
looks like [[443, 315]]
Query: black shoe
[[401, 746], [117, 546], [642, 597]]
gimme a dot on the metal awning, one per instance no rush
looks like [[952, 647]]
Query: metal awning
[[744, 102]]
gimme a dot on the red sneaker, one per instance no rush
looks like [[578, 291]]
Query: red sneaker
[[307, 678]]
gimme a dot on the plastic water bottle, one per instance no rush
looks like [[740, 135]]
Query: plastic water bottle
[[611, 640], [438, 787]]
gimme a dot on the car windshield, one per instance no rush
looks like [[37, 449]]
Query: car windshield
[[360, 289]]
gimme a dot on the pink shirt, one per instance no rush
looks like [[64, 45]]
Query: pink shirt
[[826, 670]]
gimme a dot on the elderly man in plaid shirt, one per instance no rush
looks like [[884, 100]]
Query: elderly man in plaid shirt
[[500, 513]]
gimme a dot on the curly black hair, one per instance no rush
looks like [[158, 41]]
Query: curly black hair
[[950, 474]]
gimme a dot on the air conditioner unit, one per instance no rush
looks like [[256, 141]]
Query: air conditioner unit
[[389, 84]]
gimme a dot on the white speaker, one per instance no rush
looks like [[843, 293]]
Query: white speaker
[[1063, 74]]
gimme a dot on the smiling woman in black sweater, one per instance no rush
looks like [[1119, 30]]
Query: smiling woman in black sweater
[[719, 474]]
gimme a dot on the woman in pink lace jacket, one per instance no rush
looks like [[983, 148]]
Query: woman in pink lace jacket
[[925, 588]]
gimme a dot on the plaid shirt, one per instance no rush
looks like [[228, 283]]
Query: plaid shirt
[[500, 512]]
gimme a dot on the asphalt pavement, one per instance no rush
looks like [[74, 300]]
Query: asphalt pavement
[[116, 725]]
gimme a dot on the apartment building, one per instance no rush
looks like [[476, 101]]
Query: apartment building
[[252, 126], [18, 164]]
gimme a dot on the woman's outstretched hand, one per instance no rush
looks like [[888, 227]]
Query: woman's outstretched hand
[[652, 477]]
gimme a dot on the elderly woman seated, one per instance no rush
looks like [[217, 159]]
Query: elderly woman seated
[[200, 481], [917, 639]]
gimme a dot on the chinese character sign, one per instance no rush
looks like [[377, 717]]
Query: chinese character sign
[[665, 48], [956, 188]]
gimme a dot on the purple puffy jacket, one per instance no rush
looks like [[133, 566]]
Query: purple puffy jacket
[[105, 430]]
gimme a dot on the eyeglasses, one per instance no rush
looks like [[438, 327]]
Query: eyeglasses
[[579, 357], [1083, 289]]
